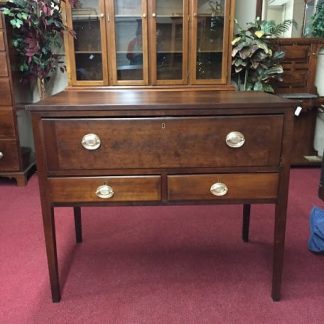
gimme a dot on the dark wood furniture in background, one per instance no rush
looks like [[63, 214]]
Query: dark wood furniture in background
[[321, 187], [16, 144], [137, 147], [299, 83]]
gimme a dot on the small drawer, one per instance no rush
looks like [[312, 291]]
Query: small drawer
[[223, 186], [3, 65], [2, 44], [9, 160], [7, 128], [5, 93], [105, 189]]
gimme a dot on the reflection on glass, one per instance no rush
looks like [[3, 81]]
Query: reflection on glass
[[210, 28], [169, 38], [128, 35], [128, 7], [87, 43], [89, 66]]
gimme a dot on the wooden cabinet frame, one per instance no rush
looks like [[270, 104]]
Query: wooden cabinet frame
[[70, 48], [153, 47], [228, 30], [189, 48]]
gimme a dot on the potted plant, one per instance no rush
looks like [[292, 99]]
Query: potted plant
[[255, 57], [37, 37], [318, 21]]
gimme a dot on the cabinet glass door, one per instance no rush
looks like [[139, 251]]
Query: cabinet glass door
[[169, 39], [209, 41], [129, 57], [88, 25]]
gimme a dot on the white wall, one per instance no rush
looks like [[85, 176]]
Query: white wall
[[245, 11]]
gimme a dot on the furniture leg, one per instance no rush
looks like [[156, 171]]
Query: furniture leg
[[50, 241], [21, 180], [278, 250], [78, 224], [246, 222]]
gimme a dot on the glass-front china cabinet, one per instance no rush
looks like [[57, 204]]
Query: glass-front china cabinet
[[149, 42]]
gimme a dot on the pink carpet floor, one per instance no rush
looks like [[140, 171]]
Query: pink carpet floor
[[159, 264]]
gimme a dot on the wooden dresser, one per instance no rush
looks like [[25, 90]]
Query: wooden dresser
[[321, 186], [299, 83], [149, 147], [16, 143]]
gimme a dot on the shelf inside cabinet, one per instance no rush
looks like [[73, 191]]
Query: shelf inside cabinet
[[85, 14], [209, 15], [170, 16], [127, 18], [88, 52], [84, 19], [129, 67], [210, 51], [169, 52]]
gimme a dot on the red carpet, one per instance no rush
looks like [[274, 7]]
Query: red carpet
[[159, 264]]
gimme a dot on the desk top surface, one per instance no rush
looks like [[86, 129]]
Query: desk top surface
[[75, 100]]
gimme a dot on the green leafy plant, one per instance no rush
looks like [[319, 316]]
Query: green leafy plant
[[318, 21], [255, 58], [36, 36]]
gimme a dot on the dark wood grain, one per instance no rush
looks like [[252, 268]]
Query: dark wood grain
[[10, 159], [2, 44], [163, 148], [7, 122], [3, 65], [121, 100], [17, 162], [163, 142], [321, 186], [240, 186], [126, 188], [5, 92]]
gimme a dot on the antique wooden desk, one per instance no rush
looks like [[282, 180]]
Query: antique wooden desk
[[149, 147]]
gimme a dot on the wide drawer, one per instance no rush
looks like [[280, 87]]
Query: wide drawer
[[223, 186], [7, 128], [126, 143], [105, 189], [9, 160], [3, 65]]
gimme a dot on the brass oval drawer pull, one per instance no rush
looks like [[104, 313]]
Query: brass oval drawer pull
[[91, 142], [104, 192], [219, 189], [235, 139], [1, 155]]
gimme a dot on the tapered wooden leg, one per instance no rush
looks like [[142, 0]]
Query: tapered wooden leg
[[78, 224], [246, 222], [278, 250], [50, 241]]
